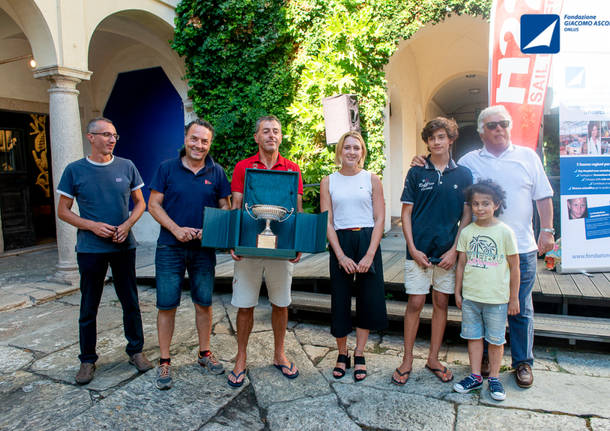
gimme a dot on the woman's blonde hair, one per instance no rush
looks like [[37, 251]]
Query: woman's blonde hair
[[339, 148]]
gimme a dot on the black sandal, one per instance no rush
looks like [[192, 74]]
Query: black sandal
[[359, 360], [341, 359]]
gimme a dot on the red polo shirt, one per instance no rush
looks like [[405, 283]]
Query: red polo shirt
[[254, 162]]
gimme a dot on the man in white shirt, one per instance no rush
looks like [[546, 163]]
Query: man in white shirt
[[520, 172]]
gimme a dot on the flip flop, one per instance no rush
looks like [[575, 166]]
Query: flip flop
[[398, 382], [289, 368], [443, 377], [237, 383]]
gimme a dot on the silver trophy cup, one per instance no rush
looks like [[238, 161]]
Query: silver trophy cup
[[269, 213]]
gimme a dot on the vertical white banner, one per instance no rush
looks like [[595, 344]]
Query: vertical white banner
[[582, 84]]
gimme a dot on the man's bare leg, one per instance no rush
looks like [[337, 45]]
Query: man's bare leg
[[165, 330], [411, 325], [440, 303], [279, 323], [245, 321], [203, 321]]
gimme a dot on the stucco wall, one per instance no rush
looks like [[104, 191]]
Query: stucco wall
[[420, 67]]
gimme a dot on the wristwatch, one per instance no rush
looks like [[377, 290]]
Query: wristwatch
[[548, 229]]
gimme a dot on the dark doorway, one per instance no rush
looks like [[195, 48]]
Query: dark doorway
[[26, 197], [149, 117], [467, 141]]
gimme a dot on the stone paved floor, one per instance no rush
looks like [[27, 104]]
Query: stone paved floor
[[26, 278], [38, 361]]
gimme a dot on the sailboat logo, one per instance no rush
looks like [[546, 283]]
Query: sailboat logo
[[539, 34]]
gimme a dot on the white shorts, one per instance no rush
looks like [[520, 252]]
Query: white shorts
[[418, 280], [248, 275]]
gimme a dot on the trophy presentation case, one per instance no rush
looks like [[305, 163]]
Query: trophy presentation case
[[268, 224]]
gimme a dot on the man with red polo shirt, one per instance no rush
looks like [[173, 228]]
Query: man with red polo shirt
[[249, 271]]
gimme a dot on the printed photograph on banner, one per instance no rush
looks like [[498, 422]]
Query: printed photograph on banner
[[585, 228], [594, 141], [577, 208], [577, 138], [572, 138]]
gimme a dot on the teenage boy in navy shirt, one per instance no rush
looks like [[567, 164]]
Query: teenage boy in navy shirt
[[180, 190], [433, 205]]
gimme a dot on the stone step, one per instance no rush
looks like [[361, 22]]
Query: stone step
[[546, 325]]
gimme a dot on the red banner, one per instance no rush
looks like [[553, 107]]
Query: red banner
[[516, 80]]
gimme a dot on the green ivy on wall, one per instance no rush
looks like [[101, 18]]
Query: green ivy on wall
[[237, 58], [246, 58]]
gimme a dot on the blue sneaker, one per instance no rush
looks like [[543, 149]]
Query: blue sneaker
[[496, 390], [467, 384]]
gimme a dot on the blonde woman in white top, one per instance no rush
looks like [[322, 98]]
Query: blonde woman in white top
[[353, 198]]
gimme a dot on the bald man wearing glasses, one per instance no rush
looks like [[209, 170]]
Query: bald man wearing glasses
[[102, 185]]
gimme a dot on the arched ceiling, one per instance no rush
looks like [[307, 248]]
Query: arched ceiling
[[463, 94], [126, 28], [131, 40], [21, 19], [438, 59]]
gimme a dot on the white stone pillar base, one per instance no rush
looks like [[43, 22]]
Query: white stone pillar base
[[68, 276]]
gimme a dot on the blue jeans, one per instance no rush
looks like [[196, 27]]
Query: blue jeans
[[171, 262], [93, 268], [521, 326]]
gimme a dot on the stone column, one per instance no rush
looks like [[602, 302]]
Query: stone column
[[66, 147]]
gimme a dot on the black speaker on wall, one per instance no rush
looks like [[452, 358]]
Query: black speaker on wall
[[340, 116]]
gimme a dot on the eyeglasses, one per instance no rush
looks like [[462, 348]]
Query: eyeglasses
[[106, 135], [492, 125]]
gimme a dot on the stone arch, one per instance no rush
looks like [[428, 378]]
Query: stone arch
[[28, 16], [129, 40], [99, 11]]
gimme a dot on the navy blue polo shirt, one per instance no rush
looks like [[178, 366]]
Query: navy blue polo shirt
[[186, 194], [438, 201]]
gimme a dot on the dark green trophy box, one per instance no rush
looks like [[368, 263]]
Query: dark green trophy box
[[237, 230]]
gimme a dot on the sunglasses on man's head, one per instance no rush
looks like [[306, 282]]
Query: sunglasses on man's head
[[492, 125]]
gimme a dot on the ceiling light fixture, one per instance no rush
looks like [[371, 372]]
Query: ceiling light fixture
[[32, 62], [474, 91]]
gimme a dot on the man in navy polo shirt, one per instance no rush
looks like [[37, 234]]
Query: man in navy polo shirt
[[102, 185], [180, 190], [433, 204]]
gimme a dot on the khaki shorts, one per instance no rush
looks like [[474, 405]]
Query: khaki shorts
[[248, 275], [418, 280]]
